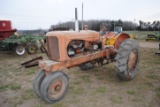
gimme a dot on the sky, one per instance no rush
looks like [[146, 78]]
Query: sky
[[41, 14]]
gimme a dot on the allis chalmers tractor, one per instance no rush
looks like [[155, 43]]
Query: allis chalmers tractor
[[66, 49]]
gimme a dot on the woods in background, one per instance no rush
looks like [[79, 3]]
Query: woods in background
[[95, 25]]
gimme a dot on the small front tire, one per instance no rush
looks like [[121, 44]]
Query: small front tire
[[38, 81], [54, 87]]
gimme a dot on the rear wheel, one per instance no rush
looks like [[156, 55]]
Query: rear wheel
[[127, 59], [32, 48], [20, 49], [54, 87]]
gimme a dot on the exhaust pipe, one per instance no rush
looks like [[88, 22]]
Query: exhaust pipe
[[76, 21]]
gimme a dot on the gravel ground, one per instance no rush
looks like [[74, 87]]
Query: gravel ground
[[149, 44]]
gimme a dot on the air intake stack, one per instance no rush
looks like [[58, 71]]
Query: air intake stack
[[76, 21]]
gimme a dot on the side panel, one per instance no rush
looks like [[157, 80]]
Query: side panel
[[53, 47]]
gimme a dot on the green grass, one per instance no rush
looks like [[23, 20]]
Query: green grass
[[95, 69], [28, 94], [77, 90], [153, 76], [141, 87], [101, 89], [131, 92], [117, 99], [15, 86], [158, 92], [3, 88], [100, 78], [85, 78], [140, 34], [38, 105], [57, 105], [30, 72], [77, 82]]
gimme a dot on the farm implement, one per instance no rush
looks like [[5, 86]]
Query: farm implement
[[19, 44]]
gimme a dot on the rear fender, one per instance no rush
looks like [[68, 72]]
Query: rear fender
[[120, 38]]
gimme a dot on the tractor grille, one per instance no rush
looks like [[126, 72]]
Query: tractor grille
[[53, 47]]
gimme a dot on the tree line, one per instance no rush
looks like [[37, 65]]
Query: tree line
[[110, 24], [148, 26]]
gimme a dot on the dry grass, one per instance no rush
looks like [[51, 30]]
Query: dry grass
[[98, 87]]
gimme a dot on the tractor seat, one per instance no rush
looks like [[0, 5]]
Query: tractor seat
[[109, 35]]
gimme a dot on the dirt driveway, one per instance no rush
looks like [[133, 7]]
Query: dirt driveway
[[149, 44]]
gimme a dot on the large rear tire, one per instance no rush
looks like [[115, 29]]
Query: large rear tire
[[127, 59], [54, 87]]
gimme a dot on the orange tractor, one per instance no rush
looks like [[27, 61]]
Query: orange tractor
[[66, 49]]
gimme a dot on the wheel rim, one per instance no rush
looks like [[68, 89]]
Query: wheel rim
[[132, 63], [56, 88], [20, 50], [32, 49]]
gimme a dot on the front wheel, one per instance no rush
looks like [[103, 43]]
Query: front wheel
[[127, 59], [38, 81], [54, 87], [20, 49]]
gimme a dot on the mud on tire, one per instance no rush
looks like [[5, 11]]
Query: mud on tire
[[127, 59]]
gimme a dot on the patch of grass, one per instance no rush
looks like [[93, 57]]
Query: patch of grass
[[141, 87], [153, 76], [3, 88], [100, 78], [95, 69], [97, 74], [30, 72], [28, 94], [17, 101], [86, 78], [131, 92], [57, 105], [77, 90], [149, 84], [158, 92], [74, 99], [101, 89], [38, 106], [136, 100], [77, 82], [15, 86], [117, 100]]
